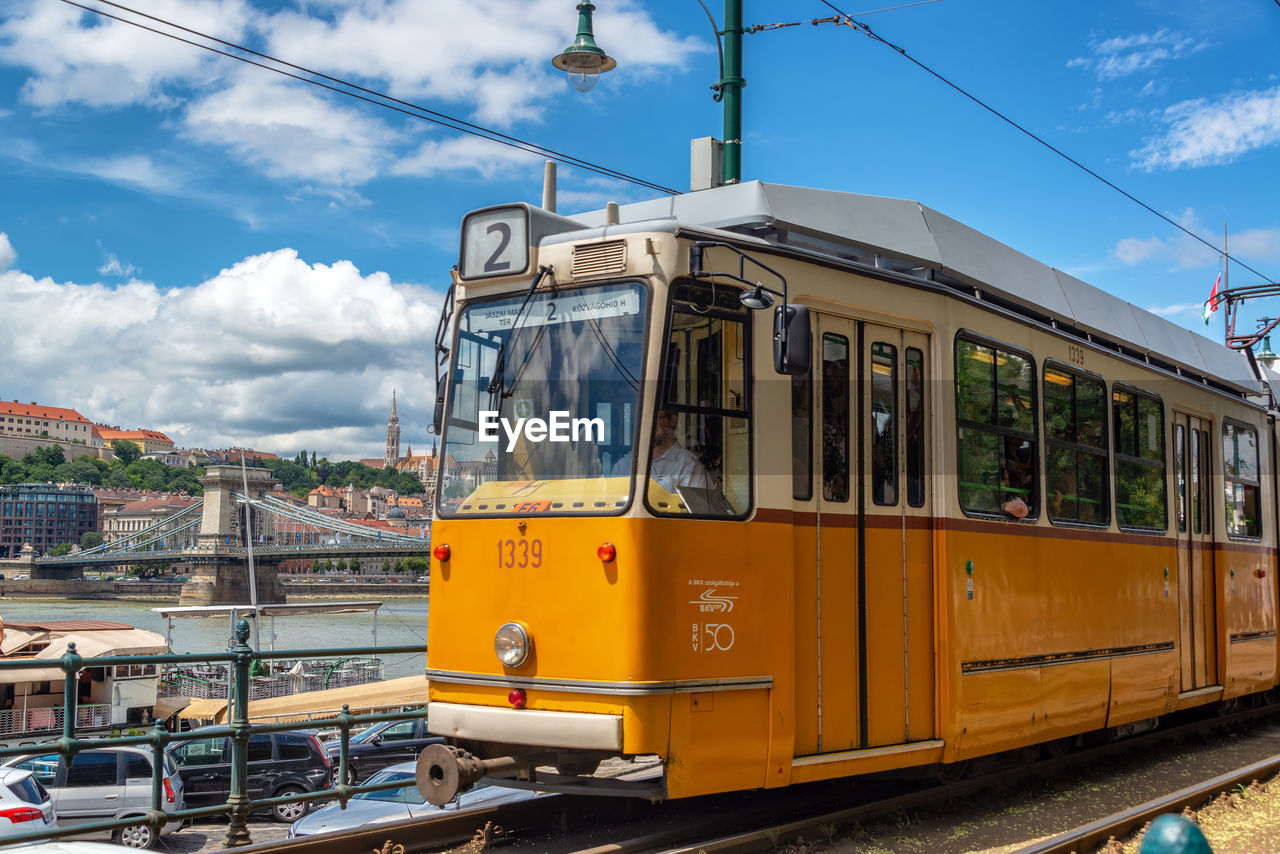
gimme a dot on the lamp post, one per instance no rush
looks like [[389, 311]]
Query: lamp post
[[585, 61]]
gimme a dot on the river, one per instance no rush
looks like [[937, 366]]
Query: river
[[401, 621]]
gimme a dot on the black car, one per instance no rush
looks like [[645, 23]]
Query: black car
[[280, 763], [381, 745]]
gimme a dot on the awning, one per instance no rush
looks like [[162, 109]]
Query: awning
[[319, 705], [282, 610], [104, 643], [205, 710], [16, 639], [166, 706]]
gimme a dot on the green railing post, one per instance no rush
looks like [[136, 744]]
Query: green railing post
[[344, 753], [68, 746], [155, 815], [238, 803]]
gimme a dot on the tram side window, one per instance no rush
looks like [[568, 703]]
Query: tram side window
[[1075, 435], [802, 436], [700, 460], [1140, 465], [913, 431], [1240, 465], [884, 423], [835, 417], [995, 414]]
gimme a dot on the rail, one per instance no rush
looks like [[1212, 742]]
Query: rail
[[238, 806]]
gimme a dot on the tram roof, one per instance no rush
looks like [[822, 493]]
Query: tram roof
[[911, 238]]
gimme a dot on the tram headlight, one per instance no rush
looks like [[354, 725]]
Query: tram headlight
[[512, 644]]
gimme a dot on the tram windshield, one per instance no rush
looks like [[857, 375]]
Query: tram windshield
[[545, 389]]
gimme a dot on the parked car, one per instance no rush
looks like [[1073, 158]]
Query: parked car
[[381, 745], [25, 805], [280, 764], [105, 784], [402, 803]]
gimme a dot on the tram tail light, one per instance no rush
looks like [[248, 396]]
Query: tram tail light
[[607, 553], [168, 791], [517, 698], [441, 552], [1260, 573]]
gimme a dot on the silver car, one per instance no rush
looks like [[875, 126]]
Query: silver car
[[401, 803], [102, 784]]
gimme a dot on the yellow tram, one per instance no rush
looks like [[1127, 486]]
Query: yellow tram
[[937, 502]]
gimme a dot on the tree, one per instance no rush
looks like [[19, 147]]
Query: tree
[[341, 565], [126, 452], [417, 564], [315, 565], [60, 549], [49, 455], [313, 459], [399, 568], [79, 470], [328, 564], [143, 570], [90, 539], [386, 565]]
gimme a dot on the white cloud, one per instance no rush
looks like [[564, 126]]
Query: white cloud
[[1141, 53], [1183, 252], [484, 60], [270, 350], [1207, 133], [76, 57], [1185, 309], [467, 154], [291, 132], [113, 266], [7, 253]]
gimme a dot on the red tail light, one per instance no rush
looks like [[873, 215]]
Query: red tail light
[[517, 698], [328, 763], [168, 790], [19, 814], [441, 552], [607, 553]]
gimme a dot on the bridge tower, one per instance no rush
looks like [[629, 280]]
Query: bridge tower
[[221, 578]]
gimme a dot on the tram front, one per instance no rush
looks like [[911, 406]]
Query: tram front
[[558, 630]]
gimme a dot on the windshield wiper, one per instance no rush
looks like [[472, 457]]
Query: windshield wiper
[[498, 382]]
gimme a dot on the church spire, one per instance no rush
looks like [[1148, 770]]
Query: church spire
[[392, 455]]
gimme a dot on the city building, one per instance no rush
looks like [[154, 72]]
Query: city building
[[53, 422], [124, 520], [44, 515], [148, 441]]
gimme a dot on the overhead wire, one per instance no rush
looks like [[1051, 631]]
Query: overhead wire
[[370, 96], [848, 21]]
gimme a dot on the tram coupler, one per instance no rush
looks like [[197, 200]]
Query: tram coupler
[[445, 771]]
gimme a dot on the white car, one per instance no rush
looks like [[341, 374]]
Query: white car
[[25, 805], [102, 784]]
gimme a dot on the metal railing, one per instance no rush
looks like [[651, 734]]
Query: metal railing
[[40, 721], [238, 805]]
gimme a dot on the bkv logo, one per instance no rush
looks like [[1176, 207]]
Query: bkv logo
[[712, 602]]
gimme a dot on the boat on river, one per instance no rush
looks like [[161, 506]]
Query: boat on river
[[108, 697]]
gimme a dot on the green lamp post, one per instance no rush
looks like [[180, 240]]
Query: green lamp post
[[585, 61]]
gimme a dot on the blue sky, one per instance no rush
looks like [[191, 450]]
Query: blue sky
[[195, 245]]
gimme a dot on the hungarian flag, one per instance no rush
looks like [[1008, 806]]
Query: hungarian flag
[[1211, 304]]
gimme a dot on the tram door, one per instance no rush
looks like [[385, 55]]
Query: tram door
[[1197, 588], [897, 571], [871, 626]]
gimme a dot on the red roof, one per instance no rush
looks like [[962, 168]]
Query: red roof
[[36, 410], [110, 433]]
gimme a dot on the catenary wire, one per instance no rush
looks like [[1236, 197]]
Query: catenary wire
[[386, 101], [846, 20]]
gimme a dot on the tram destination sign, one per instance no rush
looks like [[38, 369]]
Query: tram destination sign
[[549, 309]]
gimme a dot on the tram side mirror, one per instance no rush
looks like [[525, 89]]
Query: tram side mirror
[[792, 340], [437, 419]]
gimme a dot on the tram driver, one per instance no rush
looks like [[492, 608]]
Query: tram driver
[[672, 466]]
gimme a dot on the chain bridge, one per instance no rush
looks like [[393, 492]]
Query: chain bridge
[[212, 536]]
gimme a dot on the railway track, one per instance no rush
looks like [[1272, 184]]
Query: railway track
[[760, 821]]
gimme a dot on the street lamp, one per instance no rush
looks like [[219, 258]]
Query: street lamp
[[584, 60]]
